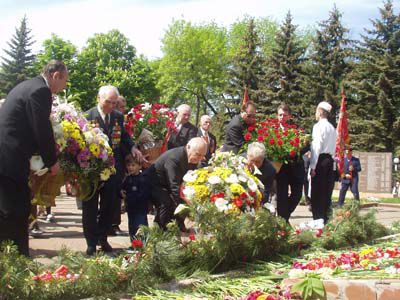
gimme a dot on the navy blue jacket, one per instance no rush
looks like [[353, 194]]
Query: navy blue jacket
[[138, 192]]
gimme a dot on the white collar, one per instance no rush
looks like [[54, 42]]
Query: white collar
[[45, 80], [203, 132], [102, 114]]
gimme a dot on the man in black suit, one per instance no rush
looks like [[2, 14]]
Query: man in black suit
[[234, 138], [25, 130], [97, 220], [352, 167], [167, 175], [185, 131], [208, 137], [256, 158], [291, 174]]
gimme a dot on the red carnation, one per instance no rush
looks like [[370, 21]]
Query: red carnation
[[260, 138], [280, 142], [292, 153], [247, 136], [238, 202], [138, 116], [251, 128], [285, 133], [192, 237], [271, 141], [152, 120], [137, 244]]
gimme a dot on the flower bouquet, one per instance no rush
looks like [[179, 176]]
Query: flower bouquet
[[226, 182], [149, 124], [282, 144]]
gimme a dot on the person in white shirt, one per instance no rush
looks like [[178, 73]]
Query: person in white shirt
[[321, 163]]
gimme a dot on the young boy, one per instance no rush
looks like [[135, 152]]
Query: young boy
[[137, 190]]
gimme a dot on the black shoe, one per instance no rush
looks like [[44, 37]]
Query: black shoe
[[90, 251], [105, 246], [118, 231], [111, 232]]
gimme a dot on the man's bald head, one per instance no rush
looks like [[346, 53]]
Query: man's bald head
[[196, 150]]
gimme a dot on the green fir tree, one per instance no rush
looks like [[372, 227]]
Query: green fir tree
[[17, 67]]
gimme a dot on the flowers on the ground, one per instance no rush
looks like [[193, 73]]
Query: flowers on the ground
[[157, 118], [226, 182], [282, 144], [61, 273]]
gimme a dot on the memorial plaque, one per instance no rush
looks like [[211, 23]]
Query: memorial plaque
[[376, 174]]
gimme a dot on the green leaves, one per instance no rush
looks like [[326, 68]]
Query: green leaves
[[311, 288]]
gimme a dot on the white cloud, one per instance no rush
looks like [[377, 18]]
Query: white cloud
[[144, 22]]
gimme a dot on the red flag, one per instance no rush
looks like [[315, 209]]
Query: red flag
[[245, 97], [343, 138]]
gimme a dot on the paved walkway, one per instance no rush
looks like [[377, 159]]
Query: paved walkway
[[67, 230]]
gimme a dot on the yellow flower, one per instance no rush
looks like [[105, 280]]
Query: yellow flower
[[366, 251], [221, 172], [105, 174], [202, 176], [94, 149], [364, 263], [236, 188], [202, 191]]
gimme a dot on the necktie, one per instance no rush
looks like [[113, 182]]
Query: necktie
[[206, 139], [107, 121]]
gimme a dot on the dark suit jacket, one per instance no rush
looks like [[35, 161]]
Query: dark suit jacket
[[181, 138], [234, 138], [212, 146], [356, 168], [169, 169], [267, 176], [126, 142], [25, 129]]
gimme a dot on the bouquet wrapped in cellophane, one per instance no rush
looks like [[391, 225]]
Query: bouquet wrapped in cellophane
[[83, 152]]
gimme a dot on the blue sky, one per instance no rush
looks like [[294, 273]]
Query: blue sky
[[145, 21]]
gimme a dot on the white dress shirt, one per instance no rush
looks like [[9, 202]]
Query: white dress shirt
[[102, 114], [323, 141]]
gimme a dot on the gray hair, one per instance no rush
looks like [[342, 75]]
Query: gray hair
[[197, 143], [203, 117], [256, 149], [183, 107], [105, 89]]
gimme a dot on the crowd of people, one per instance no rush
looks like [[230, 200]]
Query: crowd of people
[[25, 130]]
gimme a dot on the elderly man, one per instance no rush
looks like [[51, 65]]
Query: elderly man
[[291, 173], [97, 221], [167, 175], [184, 129], [207, 136], [321, 163], [121, 104], [234, 138], [256, 158], [25, 129]]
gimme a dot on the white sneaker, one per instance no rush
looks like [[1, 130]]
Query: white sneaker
[[50, 218], [35, 232]]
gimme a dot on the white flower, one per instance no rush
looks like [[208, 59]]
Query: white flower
[[256, 171], [270, 207], [189, 192], [89, 137], [252, 185], [36, 163], [146, 106], [221, 204], [326, 273], [190, 176], [181, 209], [296, 273], [232, 179], [214, 180], [242, 178], [58, 131]]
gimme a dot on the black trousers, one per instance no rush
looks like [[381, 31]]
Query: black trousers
[[321, 187], [97, 212], [289, 175], [165, 206], [14, 213]]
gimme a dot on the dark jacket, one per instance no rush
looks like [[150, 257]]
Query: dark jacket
[[234, 138], [138, 192], [169, 169], [25, 129], [212, 145], [181, 138], [125, 144], [356, 168]]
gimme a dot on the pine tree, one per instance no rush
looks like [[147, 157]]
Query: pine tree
[[284, 72], [18, 67], [246, 67], [329, 65], [374, 115]]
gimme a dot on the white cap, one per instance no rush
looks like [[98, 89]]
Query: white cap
[[325, 106]]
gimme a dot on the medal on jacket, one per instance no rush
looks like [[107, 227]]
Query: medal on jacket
[[116, 135]]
